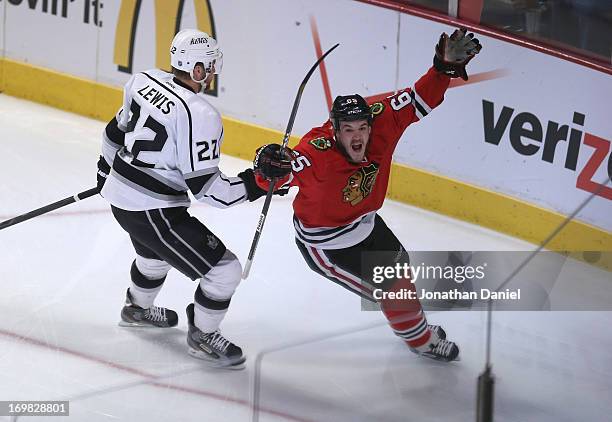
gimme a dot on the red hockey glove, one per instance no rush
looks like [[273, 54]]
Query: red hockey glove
[[454, 53], [264, 183]]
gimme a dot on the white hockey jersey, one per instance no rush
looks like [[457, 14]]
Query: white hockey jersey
[[164, 140]]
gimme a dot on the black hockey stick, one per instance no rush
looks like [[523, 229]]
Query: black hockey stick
[[48, 208], [264, 211]]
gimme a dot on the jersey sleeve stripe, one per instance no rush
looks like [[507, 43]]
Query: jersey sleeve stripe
[[113, 134], [227, 204], [200, 185], [110, 143], [225, 179], [203, 172], [421, 102], [186, 110], [418, 108]]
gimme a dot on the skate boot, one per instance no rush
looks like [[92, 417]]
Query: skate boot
[[133, 315], [437, 330], [439, 348], [443, 350], [213, 348]]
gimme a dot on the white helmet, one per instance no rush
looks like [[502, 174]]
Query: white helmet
[[191, 46]]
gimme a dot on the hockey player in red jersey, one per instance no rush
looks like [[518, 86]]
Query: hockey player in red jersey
[[342, 171]]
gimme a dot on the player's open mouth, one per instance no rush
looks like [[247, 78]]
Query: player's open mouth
[[357, 147]]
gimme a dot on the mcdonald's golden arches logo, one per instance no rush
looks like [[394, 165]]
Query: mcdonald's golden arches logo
[[168, 15]]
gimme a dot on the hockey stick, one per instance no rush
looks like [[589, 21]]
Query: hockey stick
[[264, 211], [48, 208]]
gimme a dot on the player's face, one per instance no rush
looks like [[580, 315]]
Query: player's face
[[354, 137], [199, 72]]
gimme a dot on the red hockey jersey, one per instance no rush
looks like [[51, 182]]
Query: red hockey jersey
[[337, 199]]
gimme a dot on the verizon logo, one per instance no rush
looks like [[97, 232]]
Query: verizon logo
[[529, 136]]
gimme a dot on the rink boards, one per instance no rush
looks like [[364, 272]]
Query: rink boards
[[517, 149]]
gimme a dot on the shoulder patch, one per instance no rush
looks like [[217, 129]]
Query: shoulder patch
[[321, 144], [377, 108]]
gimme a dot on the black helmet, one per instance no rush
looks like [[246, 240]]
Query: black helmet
[[349, 108]]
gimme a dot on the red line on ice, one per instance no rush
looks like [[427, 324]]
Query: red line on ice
[[152, 378]]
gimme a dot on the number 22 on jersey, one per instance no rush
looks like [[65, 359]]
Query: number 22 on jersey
[[153, 142], [208, 153]]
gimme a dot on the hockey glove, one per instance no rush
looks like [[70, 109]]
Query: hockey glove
[[270, 164], [257, 186], [454, 53], [103, 172]]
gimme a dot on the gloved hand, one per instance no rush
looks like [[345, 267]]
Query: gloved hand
[[103, 172], [270, 164], [454, 53], [257, 186]]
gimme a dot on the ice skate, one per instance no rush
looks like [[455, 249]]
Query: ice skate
[[213, 348], [133, 315], [437, 330], [443, 350]]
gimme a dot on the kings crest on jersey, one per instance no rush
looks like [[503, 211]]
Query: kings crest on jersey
[[165, 140]]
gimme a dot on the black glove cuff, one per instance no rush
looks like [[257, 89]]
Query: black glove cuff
[[102, 173], [253, 190], [452, 70], [442, 67], [103, 166]]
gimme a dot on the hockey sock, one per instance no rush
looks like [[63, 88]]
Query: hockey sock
[[144, 290], [406, 316], [208, 313], [410, 327]]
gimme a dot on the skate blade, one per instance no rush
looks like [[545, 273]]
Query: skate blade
[[127, 324], [214, 363], [435, 359], [457, 359]]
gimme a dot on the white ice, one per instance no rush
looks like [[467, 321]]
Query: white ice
[[63, 279]]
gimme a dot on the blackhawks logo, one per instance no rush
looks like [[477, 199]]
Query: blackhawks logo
[[360, 184], [321, 144]]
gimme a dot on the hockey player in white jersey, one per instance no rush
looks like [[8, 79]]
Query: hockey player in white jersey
[[165, 140]]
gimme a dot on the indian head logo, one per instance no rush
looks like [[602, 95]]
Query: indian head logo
[[360, 184]]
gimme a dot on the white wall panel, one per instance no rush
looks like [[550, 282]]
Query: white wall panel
[[268, 47], [451, 141], [39, 35]]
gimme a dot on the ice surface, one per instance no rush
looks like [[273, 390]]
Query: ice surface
[[64, 276]]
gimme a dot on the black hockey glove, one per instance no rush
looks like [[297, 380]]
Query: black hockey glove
[[103, 172], [454, 53], [269, 163], [253, 187]]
